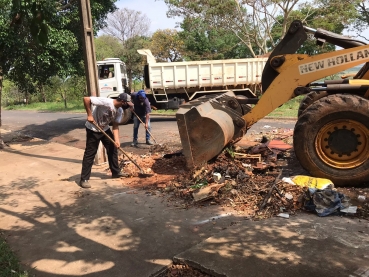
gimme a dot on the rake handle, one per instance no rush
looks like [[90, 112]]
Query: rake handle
[[102, 131], [147, 129]]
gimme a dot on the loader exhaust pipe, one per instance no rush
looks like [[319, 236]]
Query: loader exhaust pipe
[[206, 125]]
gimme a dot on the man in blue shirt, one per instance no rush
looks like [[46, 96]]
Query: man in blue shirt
[[142, 109]]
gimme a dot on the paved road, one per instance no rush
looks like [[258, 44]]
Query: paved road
[[68, 128]]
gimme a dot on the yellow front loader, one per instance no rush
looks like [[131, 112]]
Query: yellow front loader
[[331, 136]]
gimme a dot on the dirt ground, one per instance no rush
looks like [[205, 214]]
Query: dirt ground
[[246, 177], [245, 183]]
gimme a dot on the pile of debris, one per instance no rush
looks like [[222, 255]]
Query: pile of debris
[[246, 179], [182, 270], [256, 192]]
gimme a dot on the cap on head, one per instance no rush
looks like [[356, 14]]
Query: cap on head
[[124, 97], [141, 93]]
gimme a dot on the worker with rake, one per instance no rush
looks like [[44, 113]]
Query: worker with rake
[[142, 110], [101, 111]]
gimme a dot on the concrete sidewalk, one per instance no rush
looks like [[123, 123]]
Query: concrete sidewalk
[[57, 228]]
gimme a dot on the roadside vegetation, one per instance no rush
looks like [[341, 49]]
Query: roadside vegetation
[[289, 109], [9, 263]]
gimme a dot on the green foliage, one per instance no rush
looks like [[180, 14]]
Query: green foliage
[[199, 184], [39, 63], [167, 45], [43, 39], [35, 15], [108, 47], [54, 90], [230, 151], [137, 85], [73, 106], [134, 61], [258, 25], [9, 263], [330, 15], [288, 109], [203, 43]]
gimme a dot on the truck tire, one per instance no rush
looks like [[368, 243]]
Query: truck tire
[[309, 99], [331, 139], [127, 116]]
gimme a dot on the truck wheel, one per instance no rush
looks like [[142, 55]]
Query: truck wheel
[[331, 139], [309, 99], [127, 115]]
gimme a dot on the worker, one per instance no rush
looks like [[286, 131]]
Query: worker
[[103, 111], [106, 73], [143, 109]]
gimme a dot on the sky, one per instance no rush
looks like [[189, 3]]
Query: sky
[[155, 10]]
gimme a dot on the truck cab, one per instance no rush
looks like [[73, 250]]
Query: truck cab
[[112, 76]]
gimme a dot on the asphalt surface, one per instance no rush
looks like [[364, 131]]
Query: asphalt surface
[[68, 128]]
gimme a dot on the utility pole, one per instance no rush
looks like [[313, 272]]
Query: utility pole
[[90, 63], [88, 47]]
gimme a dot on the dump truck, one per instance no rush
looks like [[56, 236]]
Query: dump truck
[[331, 135], [170, 84]]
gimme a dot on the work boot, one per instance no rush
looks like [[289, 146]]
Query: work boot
[[134, 143], [120, 175], [84, 184], [149, 142]]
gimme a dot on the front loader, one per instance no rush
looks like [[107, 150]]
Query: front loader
[[331, 136]]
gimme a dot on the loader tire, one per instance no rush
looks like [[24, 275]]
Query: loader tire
[[309, 99], [331, 139], [126, 117]]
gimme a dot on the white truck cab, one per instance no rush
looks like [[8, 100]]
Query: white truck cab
[[113, 81], [112, 77]]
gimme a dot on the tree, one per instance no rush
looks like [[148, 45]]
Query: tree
[[124, 24], [252, 21], [132, 59], [8, 40], [167, 45], [54, 46], [108, 47], [45, 27], [362, 20], [252, 28], [131, 28], [39, 62], [202, 43], [331, 15]]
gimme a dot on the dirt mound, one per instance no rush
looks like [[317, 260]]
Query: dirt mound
[[246, 179]]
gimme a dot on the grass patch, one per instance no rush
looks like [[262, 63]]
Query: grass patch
[[288, 109], [72, 106], [9, 263], [164, 112]]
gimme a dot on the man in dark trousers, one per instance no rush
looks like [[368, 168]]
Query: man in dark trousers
[[142, 109], [102, 111]]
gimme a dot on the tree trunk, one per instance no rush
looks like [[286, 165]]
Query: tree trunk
[[42, 91], [1, 91], [129, 73], [65, 99]]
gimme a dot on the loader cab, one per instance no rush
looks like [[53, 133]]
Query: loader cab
[[112, 76]]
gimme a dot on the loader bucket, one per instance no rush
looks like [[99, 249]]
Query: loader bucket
[[206, 125]]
